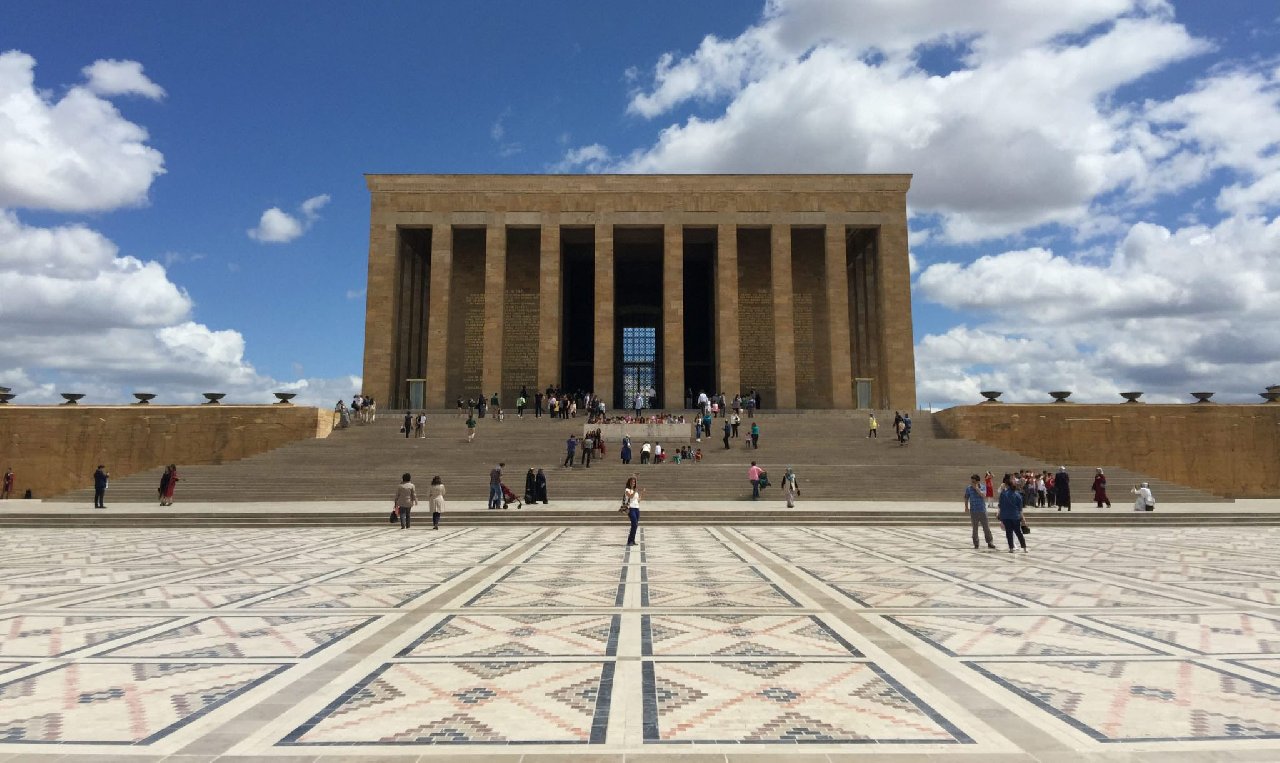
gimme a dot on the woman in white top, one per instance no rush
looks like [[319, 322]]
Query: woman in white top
[[631, 499], [435, 497], [1144, 500]]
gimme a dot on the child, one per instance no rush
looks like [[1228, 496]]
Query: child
[[697, 455], [679, 454]]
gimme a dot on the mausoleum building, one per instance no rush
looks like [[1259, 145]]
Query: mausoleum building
[[796, 286]]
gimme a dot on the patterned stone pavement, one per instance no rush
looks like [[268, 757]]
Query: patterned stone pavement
[[704, 643]]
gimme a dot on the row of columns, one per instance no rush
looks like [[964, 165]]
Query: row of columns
[[727, 342]]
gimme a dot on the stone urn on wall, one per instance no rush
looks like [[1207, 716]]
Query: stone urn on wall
[[283, 398], [1060, 396], [1202, 397], [1131, 397], [144, 398], [71, 398], [991, 396], [212, 398]]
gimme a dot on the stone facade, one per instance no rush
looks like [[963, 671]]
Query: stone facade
[[1229, 450], [792, 285], [54, 449]]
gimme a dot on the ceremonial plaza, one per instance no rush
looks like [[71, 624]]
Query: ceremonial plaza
[[269, 608]]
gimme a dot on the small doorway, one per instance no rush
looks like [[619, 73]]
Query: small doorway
[[639, 364]]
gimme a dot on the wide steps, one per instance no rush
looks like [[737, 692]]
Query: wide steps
[[829, 451]]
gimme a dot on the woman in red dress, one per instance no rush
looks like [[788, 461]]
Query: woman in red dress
[[166, 499], [1100, 489]]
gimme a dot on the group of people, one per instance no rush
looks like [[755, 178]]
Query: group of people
[[501, 496], [1027, 489], [363, 410], [102, 478], [407, 498]]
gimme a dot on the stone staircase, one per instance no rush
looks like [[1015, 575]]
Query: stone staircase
[[829, 451]]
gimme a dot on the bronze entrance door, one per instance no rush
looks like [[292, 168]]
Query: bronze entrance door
[[639, 365]]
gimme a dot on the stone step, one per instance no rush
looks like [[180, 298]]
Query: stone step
[[367, 460]]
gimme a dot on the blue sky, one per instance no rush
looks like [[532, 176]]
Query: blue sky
[[1075, 168]]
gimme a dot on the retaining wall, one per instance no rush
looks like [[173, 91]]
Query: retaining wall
[[53, 449], [1229, 450]]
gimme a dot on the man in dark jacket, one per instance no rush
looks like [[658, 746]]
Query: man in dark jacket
[[100, 478], [1010, 514]]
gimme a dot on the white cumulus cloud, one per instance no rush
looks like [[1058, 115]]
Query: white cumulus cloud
[[279, 227], [70, 154], [79, 315], [112, 77]]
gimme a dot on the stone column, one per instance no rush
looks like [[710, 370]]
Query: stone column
[[495, 287], [602, 381], [784, 317], [838, 318], [727, 358], [438, 322], [380, 308], [673, 315], [549, 305], [893, 301]]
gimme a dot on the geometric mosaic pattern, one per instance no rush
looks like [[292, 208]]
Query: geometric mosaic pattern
[[789, 702], [1013, 636], [1204, 633], [1116, 700], [463, 703], [519, 635], [742, 635], [118, 703], [363, 643], [233, 636], [58, 635]]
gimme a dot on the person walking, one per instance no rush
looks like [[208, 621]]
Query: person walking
[[407, 427], [530, 487], [100, 478], [495, 486], [790, 488], [588, 449], [645, 450], [625, 451], [631, 502], [1100, 489], [753, 476], [728, 430], [164, 484], [1062, 486], [736, 421], [1010, 514], [167, 498], [471, 427], [570, 447], [521, 402], [975, 502], [755, 436], [873, 428], [406, 499], [989, 483], [7, 490], [435, 499], [540, 487]]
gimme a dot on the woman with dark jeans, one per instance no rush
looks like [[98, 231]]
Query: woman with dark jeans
[[1011, 513], [631, 499]]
